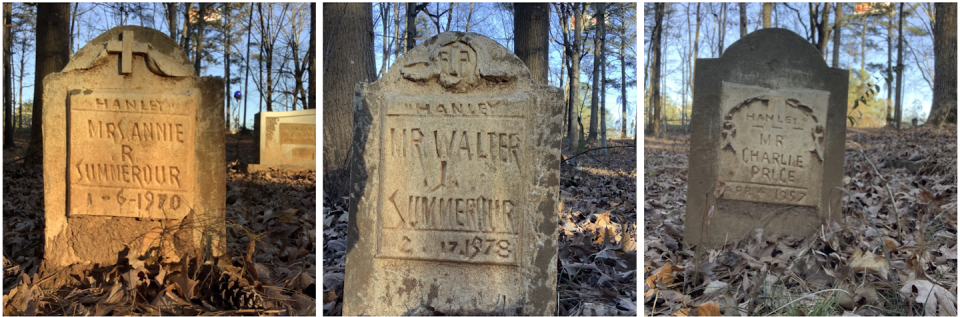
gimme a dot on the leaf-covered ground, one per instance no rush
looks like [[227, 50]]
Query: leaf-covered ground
[[889, 255], [597, 251], [270, 268]]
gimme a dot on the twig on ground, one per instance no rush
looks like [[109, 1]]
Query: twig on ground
[[889, 192], [599, 148], [22, 158]]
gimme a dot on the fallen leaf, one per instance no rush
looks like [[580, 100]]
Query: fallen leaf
[[867, 261], [709, 309], [936, 299], [665, 275]]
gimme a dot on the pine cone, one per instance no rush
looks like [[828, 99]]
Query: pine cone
[[231, 291]]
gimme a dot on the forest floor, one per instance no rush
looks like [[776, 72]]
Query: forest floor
[[597, 269], [905, 264], [269, 268]]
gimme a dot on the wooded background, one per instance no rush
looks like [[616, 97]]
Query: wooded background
[[269, 46], [902, 57]]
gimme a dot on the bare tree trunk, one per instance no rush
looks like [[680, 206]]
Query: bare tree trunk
[[449, 16], [411, 32], [171, 19], [836, 39], [201, 15], [721, 27], [655, 80], [743, 19], [573, 132], [185, 33], [696, 49], [470, 16], [598, 41], [266, 45], [531, 38], [899, 101], [260, 58], [73, 21], [351, 51], [767, 10], [561, 10], [603, 97], [822, 28], [246, 77], [312, 97], [53, 53], [7, 77], [944, 106], [623, 79], [23, 64], [396, 31], [226, 60], [890, 75], [386, 48]]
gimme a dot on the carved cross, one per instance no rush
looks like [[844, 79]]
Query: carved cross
[[126, 47]]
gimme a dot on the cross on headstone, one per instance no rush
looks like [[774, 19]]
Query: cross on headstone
[[126, 47]]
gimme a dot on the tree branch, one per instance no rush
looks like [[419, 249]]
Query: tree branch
[[599, 148]]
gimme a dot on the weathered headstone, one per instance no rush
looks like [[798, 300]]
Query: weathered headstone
[[133, 153], [287, 139], [768, 127], [454, 184]]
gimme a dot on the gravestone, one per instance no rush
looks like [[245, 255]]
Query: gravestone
[[133, 154], [768, 128], [287, 139], [454, 185]]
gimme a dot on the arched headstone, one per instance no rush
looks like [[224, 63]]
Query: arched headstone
[[133, 154], [768, 131], [454, 184]]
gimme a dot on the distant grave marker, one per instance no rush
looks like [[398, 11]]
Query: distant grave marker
[[287, 140], [768, 126], [133, 153], [454, 184]]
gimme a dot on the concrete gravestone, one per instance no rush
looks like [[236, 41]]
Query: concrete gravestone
[[287, 139], [768, 126], [133, 153], [454, 184]]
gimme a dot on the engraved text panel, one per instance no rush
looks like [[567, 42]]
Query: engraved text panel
[[452, 178], [771, 144], [131, 154]]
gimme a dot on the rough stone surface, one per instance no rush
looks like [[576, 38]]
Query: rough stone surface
[[768, 126], [133, 154], [454, 185], [287, 140]]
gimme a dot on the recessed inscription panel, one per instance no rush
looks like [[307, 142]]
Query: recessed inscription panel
[[131, 154], [771, 144], [298, 133], [453, 191]]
